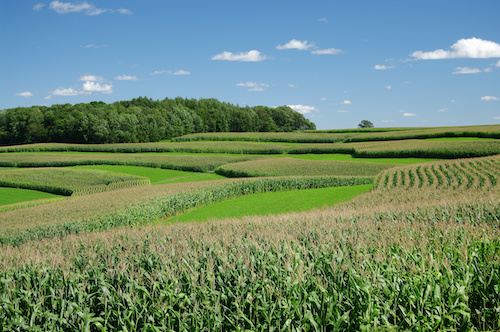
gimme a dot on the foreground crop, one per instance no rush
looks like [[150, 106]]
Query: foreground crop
[[423, 270]]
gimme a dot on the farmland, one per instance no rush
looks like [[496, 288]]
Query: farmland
[[347, 230]]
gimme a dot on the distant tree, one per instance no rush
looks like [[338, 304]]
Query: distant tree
[[365, 124]]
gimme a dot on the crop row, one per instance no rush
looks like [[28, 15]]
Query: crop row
[[349, 135], [381, 271], [464, 173], [62, 181], [112, 186], [296, 167], [193, 163], [167, 206], [374, 149]]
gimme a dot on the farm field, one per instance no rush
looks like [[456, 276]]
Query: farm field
[[273, 203], [296, 236]]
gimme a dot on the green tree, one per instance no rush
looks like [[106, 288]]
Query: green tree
[[365, 124]]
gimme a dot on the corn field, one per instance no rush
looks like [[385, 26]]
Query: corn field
[[462, 173]]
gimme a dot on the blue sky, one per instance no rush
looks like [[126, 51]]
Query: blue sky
[[395, 63]]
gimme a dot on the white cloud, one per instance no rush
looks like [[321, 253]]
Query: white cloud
[[159, 72], [388, 87], [250, 56], [296, 44], [91, 78], [65, 92], [383, 67], [252, 86], [328, 51], [303, 109], [346, 102], [323, 98], [85, 7], [489, 98], [25, 94], [496, 117], [409, 114], [342, 111], [475, 48], [442, 110], [182, 72], [467, 70], [291, 86], [126, 78], [124, 11], [38, 6], [498, 64], [97, 87]]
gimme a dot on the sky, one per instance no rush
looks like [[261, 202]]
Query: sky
[[395, 63]]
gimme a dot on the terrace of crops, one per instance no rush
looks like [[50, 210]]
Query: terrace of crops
[[242, 231]]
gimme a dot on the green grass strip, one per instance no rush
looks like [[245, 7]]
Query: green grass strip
[[273, 203], [17, 195], [156, 175]]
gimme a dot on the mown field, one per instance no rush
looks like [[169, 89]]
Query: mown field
[[272, 233]]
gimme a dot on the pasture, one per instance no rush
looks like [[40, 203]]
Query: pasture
[[251, 231]]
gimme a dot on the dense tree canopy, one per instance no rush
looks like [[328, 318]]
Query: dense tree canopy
[[141, 120]]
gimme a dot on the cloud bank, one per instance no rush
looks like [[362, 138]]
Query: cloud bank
[[474, 48]]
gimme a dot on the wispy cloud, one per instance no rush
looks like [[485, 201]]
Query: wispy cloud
[[91, 78], [383, 67], [388, 87], [442, 110], [475, 48], [65, 92], [489, 98], [496, 117], [408, 114], [346, 102], [303, 109], [126, 78], [182, 72], [328, 51], [342, 111], [250, 56], [25, 94], [84, 7], [301, 45], [323, 19], [467, 70], [160, 72], [38, 6], [124, 11], [253, 86]]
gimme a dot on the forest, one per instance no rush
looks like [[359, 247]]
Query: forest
[[141, 120]]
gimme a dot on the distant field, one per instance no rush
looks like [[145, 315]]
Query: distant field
[[189, 162], [348, 157], [156, 175], [273, 203], [451, 139], [350, 135], [16, 195], [293, 167]]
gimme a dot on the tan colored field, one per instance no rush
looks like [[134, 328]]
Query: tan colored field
[[292, 166]]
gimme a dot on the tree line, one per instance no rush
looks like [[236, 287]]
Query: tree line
[[141, 120]]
